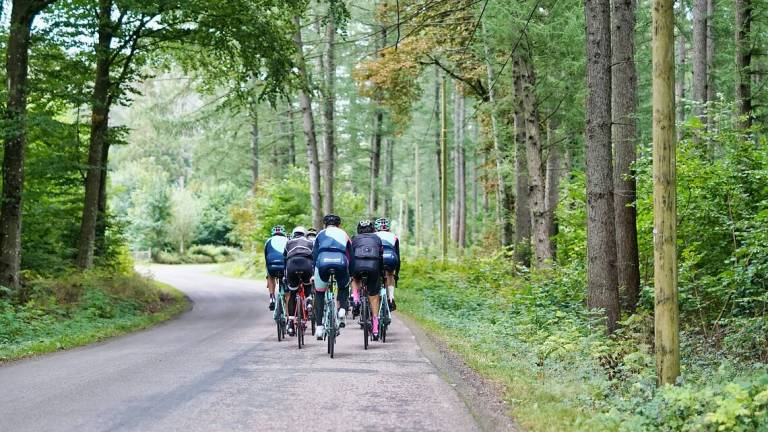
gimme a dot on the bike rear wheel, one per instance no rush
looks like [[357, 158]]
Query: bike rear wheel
[[298, 322], [366, 318], [279, 321]]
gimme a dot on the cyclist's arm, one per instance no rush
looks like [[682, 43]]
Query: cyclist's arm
[[397, 251], [266, 253]]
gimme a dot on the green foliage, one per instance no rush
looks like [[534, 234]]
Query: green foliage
[[206, 254], [532, 333], [80, 308], [216, 222], [275, 202]]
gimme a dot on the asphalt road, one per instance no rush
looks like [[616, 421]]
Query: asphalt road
[[219, 367]]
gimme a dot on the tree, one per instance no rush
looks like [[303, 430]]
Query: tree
[[23, 12], [525, 83], [522, 206], [700, 56], [185, 217], [329, 146], [305, 102], [459, 175], [602, 291], [664, 195], [743, 61], [623, 108]]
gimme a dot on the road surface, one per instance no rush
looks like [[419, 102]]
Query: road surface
[[219, 367]]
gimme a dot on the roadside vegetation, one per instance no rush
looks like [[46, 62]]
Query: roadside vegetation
[[52, 314]]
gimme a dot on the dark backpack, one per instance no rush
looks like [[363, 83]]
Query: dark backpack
[[299, 247], [366, 246]]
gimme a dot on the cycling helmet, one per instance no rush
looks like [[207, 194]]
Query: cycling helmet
[[278, 230], [311, 232], [332, 219], [382, 224], [299, 231], [365, 226]]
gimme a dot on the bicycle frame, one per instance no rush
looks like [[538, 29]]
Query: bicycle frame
[[279, 314], [330, 322]]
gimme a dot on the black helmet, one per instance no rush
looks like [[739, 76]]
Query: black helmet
[[311, 232], [332, 219], [365, 226]]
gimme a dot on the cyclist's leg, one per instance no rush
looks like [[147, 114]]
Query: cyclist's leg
[[320, 287], [355, 295], [342, 299], [271, 290], [373, 283]]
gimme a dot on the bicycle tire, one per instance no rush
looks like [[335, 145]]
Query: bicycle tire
[[366, 313], [279, 320], [383, 314], [298, 321]]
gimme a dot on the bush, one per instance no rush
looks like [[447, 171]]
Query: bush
[[200, 254]]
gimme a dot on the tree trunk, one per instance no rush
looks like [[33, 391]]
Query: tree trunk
[[417, 195], [330, 101], [501, 186], [437, 129], [554, 175], [99, 128], [305, 102], [743, 61], [459, 177], [521, 208], [680, 82], [291, 134], [664, 196], [389, 166], [700, 56], [623, 107], [602, 291], [254, 147], [525, 84], [100, 246], [710, 51], [373, 198], [14, 147], [443, 166]]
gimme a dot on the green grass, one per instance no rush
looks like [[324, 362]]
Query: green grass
[[531, 334], [70, 313]]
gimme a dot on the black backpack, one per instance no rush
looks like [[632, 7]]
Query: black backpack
[[299, 247], [366, 246]]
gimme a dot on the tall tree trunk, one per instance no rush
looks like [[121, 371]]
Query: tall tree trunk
[[743, 61], [553, 177], [330, 126], [460, 178], [389, 165], [444, 168], [521, 208], [23, 12], [437, 129], [291, 134], [710, 51], [664, 195], [700, 56], [602, 290], [305, 102], [373, 197], [623, 107], [501, 187], [417, 195], [254, 147], [100, 245], [680, 82], [99, 129], [525, 84]]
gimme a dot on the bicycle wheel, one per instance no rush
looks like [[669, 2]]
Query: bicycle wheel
[[366, 318], [279, 320], [383, 320], [298, 321], [332, 333]]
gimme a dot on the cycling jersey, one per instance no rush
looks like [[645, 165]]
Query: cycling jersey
[[391, 250], [273, 255]]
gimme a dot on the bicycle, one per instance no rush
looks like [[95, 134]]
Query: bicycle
[[279, 314], [365, 312], [330, 324], [300, 316], [385, 315]]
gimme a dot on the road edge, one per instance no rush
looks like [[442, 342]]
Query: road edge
[[481, 397]]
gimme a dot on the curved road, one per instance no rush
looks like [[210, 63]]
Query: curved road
[[219, 367]]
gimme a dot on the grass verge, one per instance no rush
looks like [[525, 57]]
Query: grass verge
[[531, 335], [81, 309]]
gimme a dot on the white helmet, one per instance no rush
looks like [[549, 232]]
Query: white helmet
[[299, 231]]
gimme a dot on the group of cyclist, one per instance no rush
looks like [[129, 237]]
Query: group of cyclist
[[309, 258]]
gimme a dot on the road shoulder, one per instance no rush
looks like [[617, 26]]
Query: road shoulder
[[482, 398]]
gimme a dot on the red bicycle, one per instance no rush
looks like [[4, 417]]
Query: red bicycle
[[301, 315]]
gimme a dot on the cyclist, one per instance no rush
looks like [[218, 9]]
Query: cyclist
[[273, 257], [298, 270], [331, 253], [391, 257], [367, 263], [312, 234]]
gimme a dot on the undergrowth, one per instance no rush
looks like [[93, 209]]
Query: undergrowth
[[80, 308], [531, 333]]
